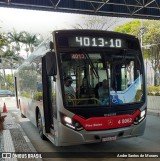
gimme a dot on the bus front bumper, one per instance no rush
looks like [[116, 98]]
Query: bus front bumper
[[67, 136]]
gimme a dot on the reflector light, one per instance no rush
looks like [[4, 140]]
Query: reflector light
[[70, 126]]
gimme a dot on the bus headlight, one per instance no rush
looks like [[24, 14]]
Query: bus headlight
[[140, 117], [71, 123], [143, 113], [67, 119]]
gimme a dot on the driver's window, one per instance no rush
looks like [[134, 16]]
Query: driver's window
[[79, 79]]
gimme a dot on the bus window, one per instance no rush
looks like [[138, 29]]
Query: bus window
[[126, 79], [88, 70]]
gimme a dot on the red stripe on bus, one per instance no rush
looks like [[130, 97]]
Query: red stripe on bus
[[107, 122]]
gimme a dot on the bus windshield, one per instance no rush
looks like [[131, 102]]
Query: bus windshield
[[101, 78]]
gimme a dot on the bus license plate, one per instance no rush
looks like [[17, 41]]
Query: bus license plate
[[109, 138]]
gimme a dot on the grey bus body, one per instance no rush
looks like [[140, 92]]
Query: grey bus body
[[85, 117]]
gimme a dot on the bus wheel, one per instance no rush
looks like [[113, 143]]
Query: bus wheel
[[40, 127]]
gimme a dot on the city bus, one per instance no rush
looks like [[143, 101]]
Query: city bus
[[82, 117]]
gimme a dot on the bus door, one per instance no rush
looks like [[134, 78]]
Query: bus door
[[48, 100]]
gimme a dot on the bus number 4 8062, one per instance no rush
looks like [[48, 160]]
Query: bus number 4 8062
[[125, 121]]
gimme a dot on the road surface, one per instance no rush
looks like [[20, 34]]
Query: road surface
[[149, 142]]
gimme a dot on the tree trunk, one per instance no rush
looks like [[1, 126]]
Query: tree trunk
[[155, 82], [12, 70], [4, 74], [156, 78]]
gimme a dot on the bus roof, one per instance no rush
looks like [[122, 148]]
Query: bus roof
[[83, 31]]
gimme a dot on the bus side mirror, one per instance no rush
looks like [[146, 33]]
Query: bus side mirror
[[51, 64]]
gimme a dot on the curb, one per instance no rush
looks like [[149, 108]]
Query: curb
[[153, 113]]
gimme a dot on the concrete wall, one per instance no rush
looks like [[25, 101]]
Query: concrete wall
[[154, 103]]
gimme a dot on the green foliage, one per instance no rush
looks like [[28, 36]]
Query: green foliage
[[9, 82], [27, 95], [131, 28], [30, 40], [153, 90], [152, 35], [28, 80], [138, 95], [15, 40], [38, 96], [1, 41], [146, 53], [15, 37]]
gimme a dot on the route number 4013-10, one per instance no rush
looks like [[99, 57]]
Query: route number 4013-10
[[98, 42]]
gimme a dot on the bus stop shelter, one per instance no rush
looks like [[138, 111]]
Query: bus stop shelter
[[147, 9]]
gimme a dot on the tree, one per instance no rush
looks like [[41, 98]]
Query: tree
[[31, 41], [9, 61], [10, 82], [151, 36], [15, 39], [10, 46], [3, 42], [132, 28], [7, 56], [96, 23]]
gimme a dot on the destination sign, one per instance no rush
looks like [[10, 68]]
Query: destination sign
[[87, 41]]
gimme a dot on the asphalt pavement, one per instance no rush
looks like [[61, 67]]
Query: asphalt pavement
[[13, 140]]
